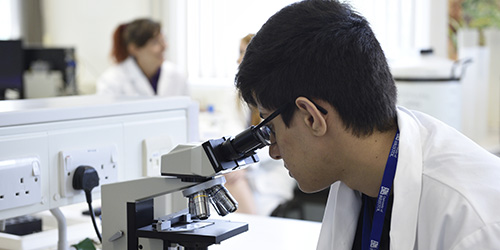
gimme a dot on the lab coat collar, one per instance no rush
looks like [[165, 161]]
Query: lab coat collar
[[407, 182], [340, 219]]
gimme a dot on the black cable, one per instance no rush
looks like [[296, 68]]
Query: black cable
[[88, 195], [86, 178]]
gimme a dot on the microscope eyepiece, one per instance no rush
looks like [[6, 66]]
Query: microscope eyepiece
[[246, 142]]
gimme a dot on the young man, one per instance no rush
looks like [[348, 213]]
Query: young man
[[398, 178]]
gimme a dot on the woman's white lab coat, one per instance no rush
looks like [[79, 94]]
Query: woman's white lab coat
[[126, 78], [446, 193]]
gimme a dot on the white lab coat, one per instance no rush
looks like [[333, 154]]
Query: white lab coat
[[446, 193], [126, 78]]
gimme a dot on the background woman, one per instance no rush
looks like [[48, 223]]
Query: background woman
[[141, 69]]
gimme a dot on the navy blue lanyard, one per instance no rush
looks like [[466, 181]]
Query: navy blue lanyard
[[373, 242]]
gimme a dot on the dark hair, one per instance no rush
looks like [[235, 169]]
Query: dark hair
[[323, 50], [137, 32]]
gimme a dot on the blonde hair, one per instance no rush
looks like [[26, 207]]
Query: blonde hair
[[247, 38]]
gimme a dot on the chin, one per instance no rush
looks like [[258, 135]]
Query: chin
[[310, 189]]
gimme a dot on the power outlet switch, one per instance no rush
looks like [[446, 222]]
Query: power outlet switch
[[20, 182]]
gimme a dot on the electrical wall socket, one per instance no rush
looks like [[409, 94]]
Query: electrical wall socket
[[20, 182], [152, 150], [103, 159]]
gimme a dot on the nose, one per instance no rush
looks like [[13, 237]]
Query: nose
[[274, 151], [163, 45]]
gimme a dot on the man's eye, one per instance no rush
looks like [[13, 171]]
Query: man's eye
[[271, 128]]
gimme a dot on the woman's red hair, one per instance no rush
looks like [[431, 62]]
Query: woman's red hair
[[119, 51]]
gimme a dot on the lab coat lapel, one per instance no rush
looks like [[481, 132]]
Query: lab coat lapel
[[407, 184], [138, 80], [340, 219], [165, 86]]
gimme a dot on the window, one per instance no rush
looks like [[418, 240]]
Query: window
[[214, 29], [401, 26]]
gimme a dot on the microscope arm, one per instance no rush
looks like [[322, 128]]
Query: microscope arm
[[114, 204]]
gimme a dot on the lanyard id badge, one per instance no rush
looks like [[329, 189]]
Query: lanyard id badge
[[371, 241]]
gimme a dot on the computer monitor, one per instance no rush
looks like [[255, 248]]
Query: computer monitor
[[11, 67], [57, 59]]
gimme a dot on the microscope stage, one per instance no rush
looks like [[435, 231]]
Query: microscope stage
[[213, 233]]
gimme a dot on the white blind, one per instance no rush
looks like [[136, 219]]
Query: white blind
[[214, 30], [401, 26], [215, 27]]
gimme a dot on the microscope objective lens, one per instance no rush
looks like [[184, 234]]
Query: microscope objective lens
[[198, 205], [222, 200]]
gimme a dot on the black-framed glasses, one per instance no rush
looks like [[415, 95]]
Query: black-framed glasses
[[264, 131], [255, 137]]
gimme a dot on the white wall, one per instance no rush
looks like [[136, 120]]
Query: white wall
[[9, 12], [88, 26]]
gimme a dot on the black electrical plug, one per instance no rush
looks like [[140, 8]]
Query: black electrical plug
[[86, 179]]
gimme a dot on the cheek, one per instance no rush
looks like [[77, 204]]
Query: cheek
[[288, 148], [155, 50], [159, 49], [296, 154]]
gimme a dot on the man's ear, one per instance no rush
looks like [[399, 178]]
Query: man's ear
[[312, 117]]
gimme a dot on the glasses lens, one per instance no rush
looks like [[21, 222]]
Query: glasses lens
[[265, 134]]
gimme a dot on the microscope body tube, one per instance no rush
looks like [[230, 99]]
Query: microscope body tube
[[204, 160], [215, 156]]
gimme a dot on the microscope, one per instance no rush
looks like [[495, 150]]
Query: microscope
[[196, 170]]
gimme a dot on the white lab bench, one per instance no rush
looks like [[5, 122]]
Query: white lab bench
[[264, 232], [271, 233]]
